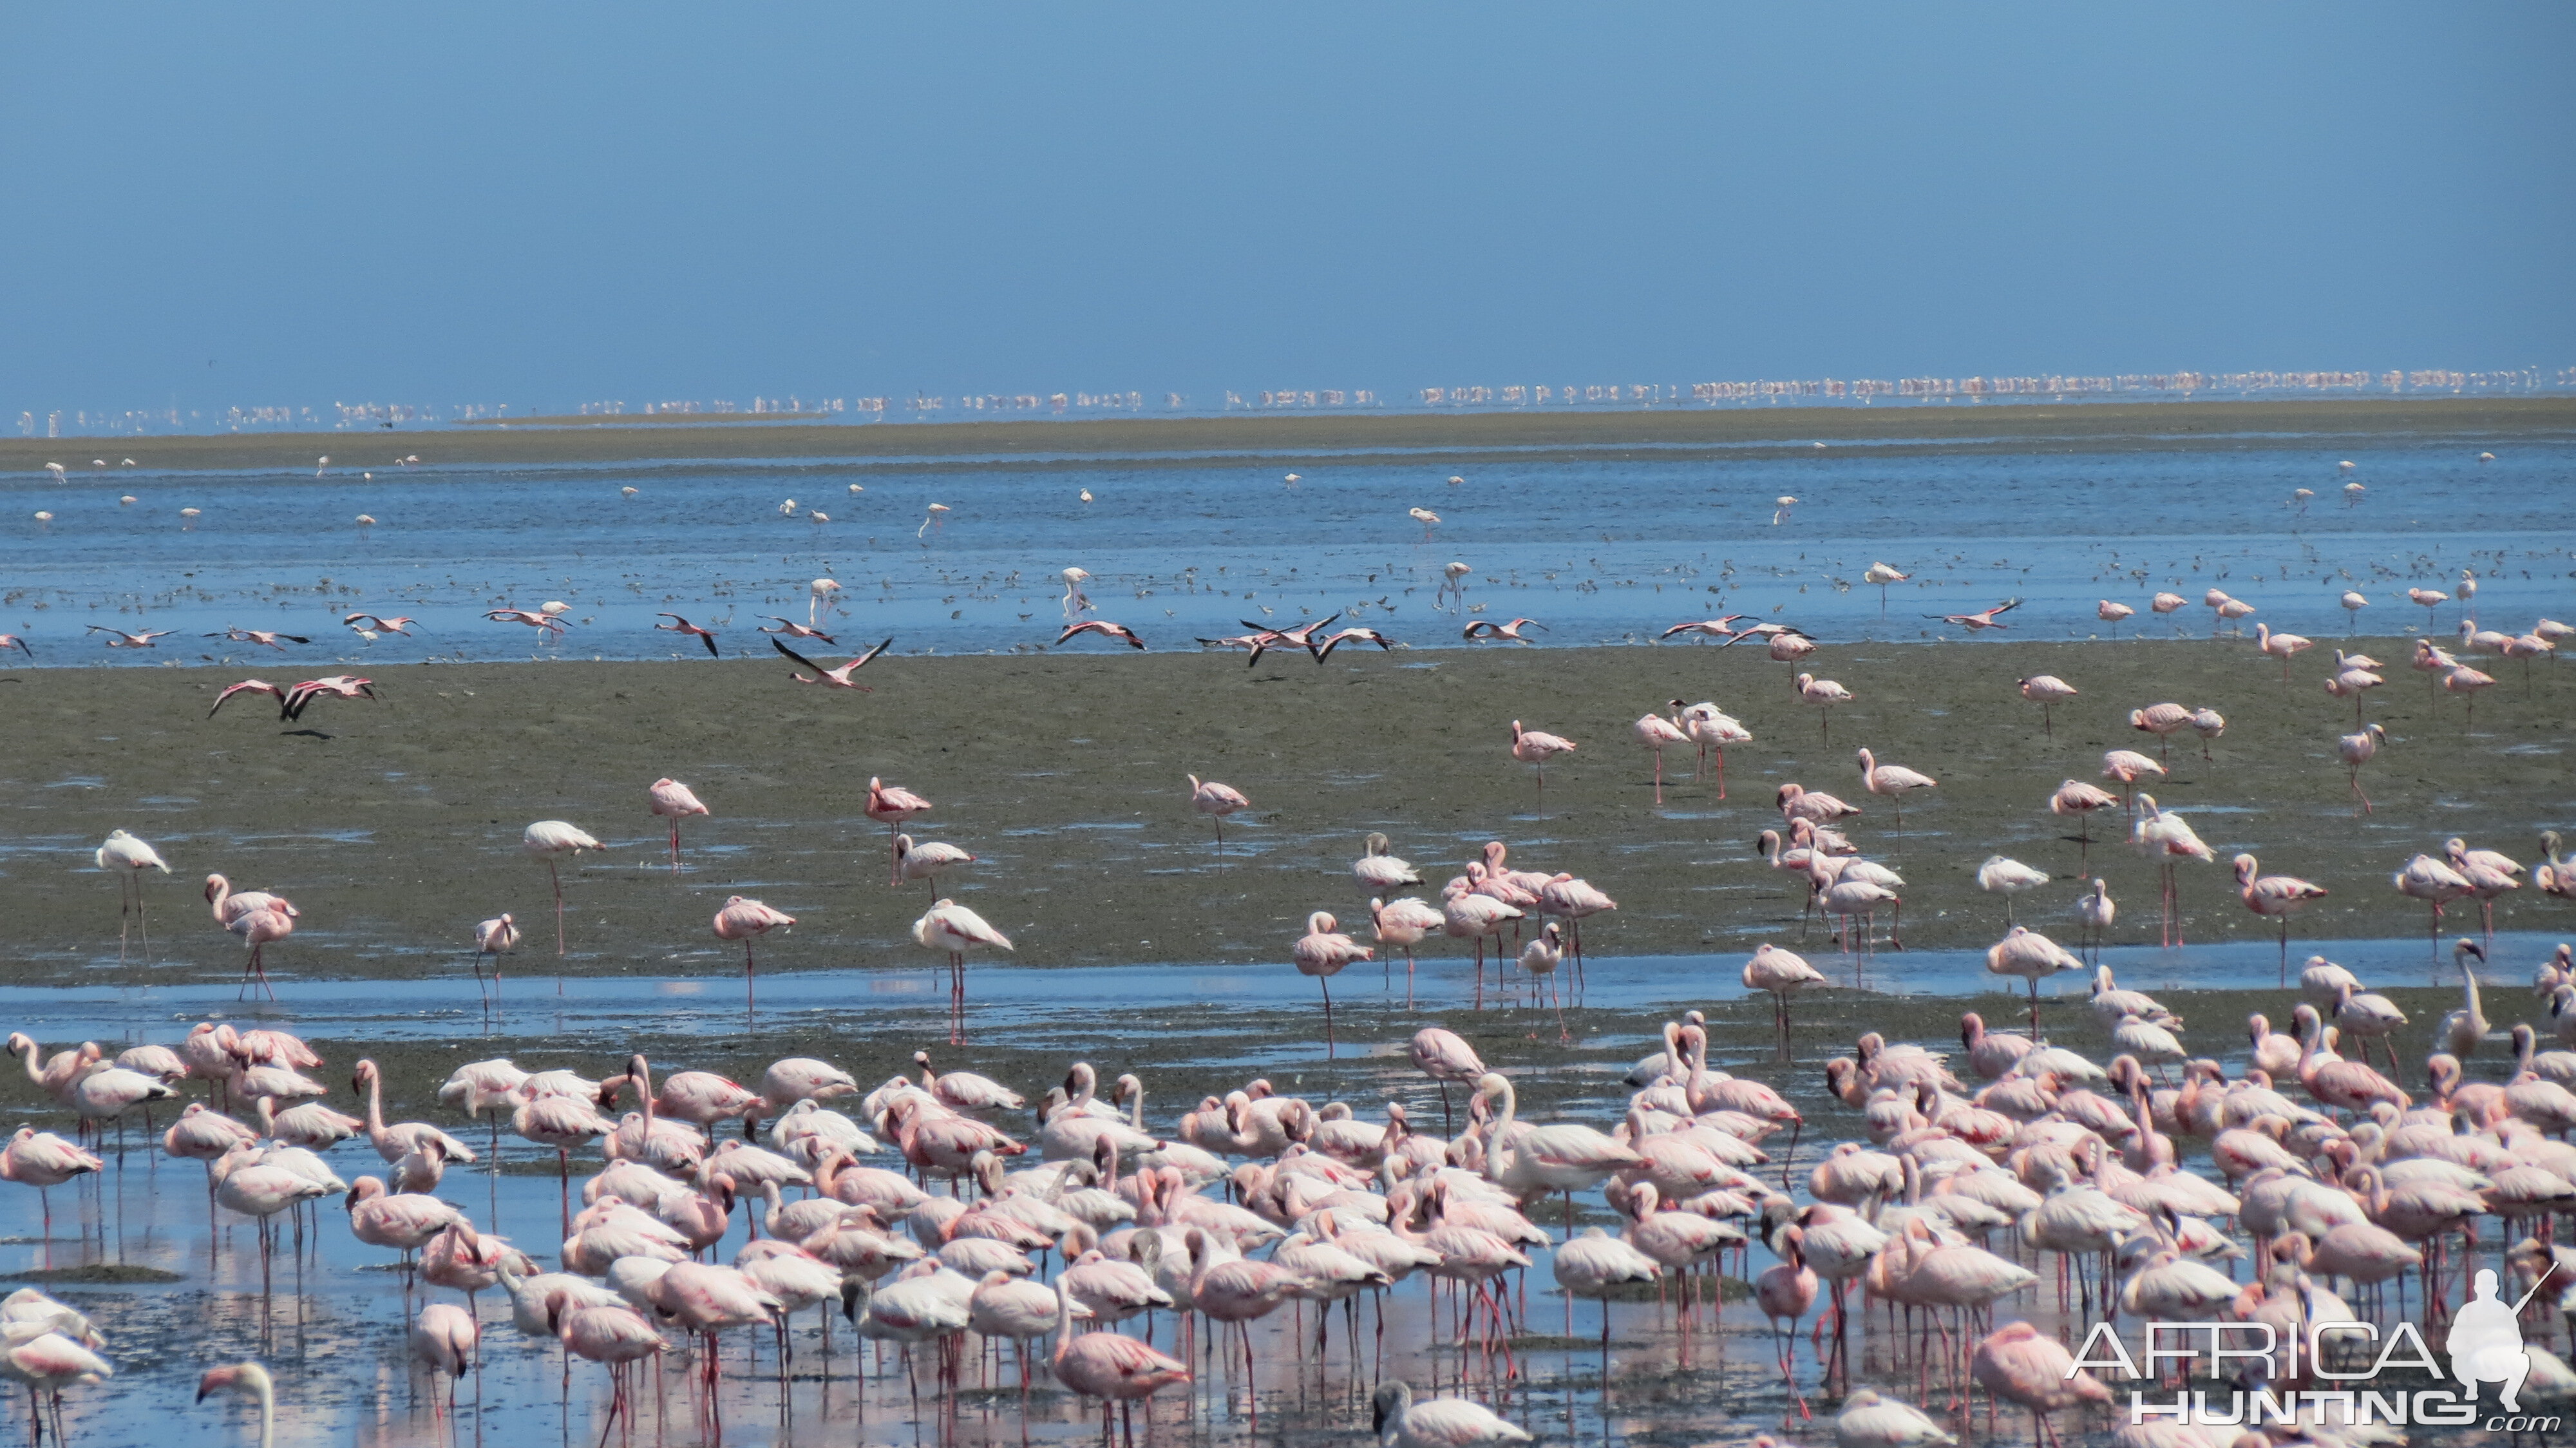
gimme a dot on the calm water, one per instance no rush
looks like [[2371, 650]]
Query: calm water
[[1600, 551]]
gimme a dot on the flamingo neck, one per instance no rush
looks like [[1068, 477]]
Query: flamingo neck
[[375, 1103]]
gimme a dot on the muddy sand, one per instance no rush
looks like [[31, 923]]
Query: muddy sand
[[1665, 432], [395, 825]]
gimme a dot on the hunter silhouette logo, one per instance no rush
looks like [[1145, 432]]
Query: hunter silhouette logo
[[2484, 1346]]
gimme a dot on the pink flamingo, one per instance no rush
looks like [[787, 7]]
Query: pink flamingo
[[2078, 799], [552, 840], [1779, 972], [1115, 632], [1322, 952], [2436, 884], [2489, 872], [1230, 1289], [614, 1337], [2018, 1365], [1529, 746], [2280, 646], [1501, 632], [1469, 915], [832, 678], [1982, 619], [2357, 750], [129, 857], [686, 629], [673, 801], [1403, 924], [2047, 691], [1787, 1289], [493, 937], [1824, 694], [1892, 780], [258, 929], [2128, 767], [1216, 801], [953, 930], [1711, 728], [2276, 897], [747, 920], [252, 1381], [924, 861], [44, 1161], [2167, 840], [2161, 720], [1654, 731], [2112, 613], [1110, 1366]]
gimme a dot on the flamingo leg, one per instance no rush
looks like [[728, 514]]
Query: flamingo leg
[[556, 878]]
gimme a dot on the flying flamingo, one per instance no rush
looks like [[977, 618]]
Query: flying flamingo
[[673, 800], [1117, 631], [746, 921], [129, 858], [1982, 619], [794, 630], [546, 624], [377, 624], [686, 629], [1529, 746], [1324, 650], [1719, 628], [268, 637], [1216, 801], [10, 641], [1892, 780], [552, 840], [1322, 952], [118, 638], [1488, 629], [1882, 574], [2047, 691], [2111, 613], [2276, 897], [1655, 731], [952, 930], [832, 678]]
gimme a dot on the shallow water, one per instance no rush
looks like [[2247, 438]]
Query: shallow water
[[330, 1322], [1600, 551]]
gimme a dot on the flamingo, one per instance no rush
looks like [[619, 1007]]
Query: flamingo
[[2026, 953], [2489, 873], [1654, 731], [794, 630], [1892, 780], [1824, 694], [2433, 882], [129, 858], [2047, 691], [2357, 750], [1397, 1421], [376, 623], [952, 930], [1712, 728], [2275, 897], [1472, 915], [1718, 628], [1780, 507], [1324, 650], [266, 637], [550, 841], [259, 929], [1076, 603], [2112, 613], [1530, 746], [44, 1161], [2165, 838], [2280, 646], [1883, 574], [118, 638], [1216, 801], [1110, 1366], [2018, 1365], [1117, 632], [747, 920], [1322, 953], [2009, 877], [249, 1380], [2161, 720], [2097, 912], [2076, 798], [833, 678], [673, 801], [1982, 619], [1503, 632], [2461, 1031], [1779, 972], [547, 625], [494, 937], [924, 861], [1403, 924]]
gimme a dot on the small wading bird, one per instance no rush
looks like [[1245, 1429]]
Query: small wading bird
[[1982, 619], [118, 638], [259, 636], [1117, 631], [832, 678], [679, 625], [293, 702]]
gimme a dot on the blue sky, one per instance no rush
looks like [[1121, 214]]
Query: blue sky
[[545, 204]]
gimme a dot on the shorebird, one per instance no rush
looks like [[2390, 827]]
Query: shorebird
[[833, 678]]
